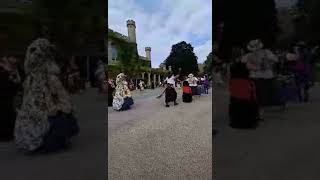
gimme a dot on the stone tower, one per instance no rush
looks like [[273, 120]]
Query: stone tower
[[131, 25], [148, 53]]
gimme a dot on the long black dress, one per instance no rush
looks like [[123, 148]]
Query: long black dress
[[8, 90], [243, 112], [170, 95]]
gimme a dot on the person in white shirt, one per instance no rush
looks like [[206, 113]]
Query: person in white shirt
[[170, 92], [192, 80], [260, 64]]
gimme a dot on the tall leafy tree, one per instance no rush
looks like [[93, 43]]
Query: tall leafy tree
[[182, 56], [307, 20], [246, 20], [208, 64], [71, 24]]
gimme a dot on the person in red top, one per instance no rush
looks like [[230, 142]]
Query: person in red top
[[243, 89], [186, 92], [243, 107]]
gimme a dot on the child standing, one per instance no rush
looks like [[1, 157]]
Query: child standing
[[186, 93]]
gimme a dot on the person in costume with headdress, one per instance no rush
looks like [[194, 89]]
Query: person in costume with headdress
[[122, 99], [45, 120]]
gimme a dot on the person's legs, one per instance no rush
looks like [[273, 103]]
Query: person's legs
[[299, 88], [306, 91], [7, 123], [260, 96], [306, 94], [175, 98], [167, 101], [167, 104]]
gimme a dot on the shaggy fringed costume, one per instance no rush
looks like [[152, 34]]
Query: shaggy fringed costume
[[45, 119], [122, 99]]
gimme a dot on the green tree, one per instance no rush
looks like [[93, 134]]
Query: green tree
[[246, 20], [72, 24], [182, 56], [208, 64], [307, 20]]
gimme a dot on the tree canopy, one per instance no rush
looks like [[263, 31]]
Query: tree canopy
[[72, 24], [307, 21], [246, 20], [208, 64], [182, 56]]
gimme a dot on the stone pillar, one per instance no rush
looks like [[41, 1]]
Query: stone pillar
[[159, 80], [149, 79], [142, 75], [154, 79]]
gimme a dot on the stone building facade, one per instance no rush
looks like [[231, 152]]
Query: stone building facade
[[131, 38]]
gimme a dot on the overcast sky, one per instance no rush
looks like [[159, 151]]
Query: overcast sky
[[285, 3], [162, 23]]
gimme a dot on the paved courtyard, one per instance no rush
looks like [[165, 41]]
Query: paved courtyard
[[286, 146], [151, 141], [85, 160]]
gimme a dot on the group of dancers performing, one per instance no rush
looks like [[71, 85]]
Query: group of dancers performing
[[122, 98], [261, 78]]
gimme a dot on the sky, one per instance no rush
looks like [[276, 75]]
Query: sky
[[285, 3], [162, 23]]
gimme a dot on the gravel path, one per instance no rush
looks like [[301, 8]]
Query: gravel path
[[151, 141], [85, 160], [286, 146]]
